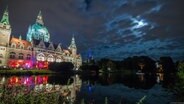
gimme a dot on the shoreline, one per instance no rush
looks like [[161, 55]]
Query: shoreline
[[26, 72]]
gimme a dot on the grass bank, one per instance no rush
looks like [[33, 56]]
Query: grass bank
[[25, 72]]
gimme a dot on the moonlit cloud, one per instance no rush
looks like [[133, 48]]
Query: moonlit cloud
[[138, 23]]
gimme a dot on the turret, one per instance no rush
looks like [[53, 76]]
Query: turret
[[73, 47], [5, 32], [20, 37], [5, 29], [39, 19], [29, 34]]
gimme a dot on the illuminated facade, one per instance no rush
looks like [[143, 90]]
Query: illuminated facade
[[38, 31], [37, 50]]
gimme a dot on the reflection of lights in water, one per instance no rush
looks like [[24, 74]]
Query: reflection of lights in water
[[37, 84], [36, 88], [76, 75], [141, 77], [49, 87], [57, 87], [160, 77], [41, 86], [25, 82], [2, 80], [89, 89]]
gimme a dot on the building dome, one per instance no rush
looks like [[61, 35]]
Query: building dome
[[38, 31]]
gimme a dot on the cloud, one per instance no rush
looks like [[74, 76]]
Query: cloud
[[116, 27], [153, 48]]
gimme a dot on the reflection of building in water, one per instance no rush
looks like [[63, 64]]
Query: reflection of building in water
[[159, 67], [74, 88], [160, 77], [40, 84], [141, 77], [2, 80], [141, 65]]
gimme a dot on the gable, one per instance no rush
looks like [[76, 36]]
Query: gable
[[41, 44], [51, 47]]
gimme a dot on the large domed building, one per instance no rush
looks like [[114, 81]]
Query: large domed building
[[37, 51]]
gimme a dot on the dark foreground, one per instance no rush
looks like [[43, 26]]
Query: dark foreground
[[107, 88]]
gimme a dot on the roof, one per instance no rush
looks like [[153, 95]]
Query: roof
[[18, 41], [55, 46], [47, 44], [37, 42], [66, 51]]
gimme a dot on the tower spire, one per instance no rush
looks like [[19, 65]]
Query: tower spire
[[73, 45], [73, 39], [39, 19], [5, 17], [20, 37]]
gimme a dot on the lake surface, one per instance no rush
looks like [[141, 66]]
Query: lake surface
[[97, 89]]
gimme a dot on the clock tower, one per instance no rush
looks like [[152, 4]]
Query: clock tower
[[5, 32]]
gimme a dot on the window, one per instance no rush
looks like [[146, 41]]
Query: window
[[12, 55], [29, 48], [2, 48], [1, 55], [40, 57], [21, 46], [28, 57], [13, 45], [59, 59], [50, 58], [21, 56]]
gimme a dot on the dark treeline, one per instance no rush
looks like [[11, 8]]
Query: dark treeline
[[65, 67], [136, 63]]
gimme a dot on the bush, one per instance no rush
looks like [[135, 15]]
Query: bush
[[179, 87], [61, 67], [17, 95]]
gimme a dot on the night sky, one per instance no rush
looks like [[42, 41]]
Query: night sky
[[110, 28]]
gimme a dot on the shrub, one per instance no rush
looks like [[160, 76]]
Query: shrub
[[61, 67]]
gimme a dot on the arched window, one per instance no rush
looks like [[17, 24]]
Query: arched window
[[13, 45], [28, 57], [21, 46], [59, 59], [21, 56], [40, 57], [12, 55], [50, 58], [29, 48]]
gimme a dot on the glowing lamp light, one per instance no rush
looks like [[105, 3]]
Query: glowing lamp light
[[25, 82]]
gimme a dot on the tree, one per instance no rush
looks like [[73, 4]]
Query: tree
[[61, 67], [167, 64], [179, 87]]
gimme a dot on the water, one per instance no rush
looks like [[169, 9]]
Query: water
[[115, 88]]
